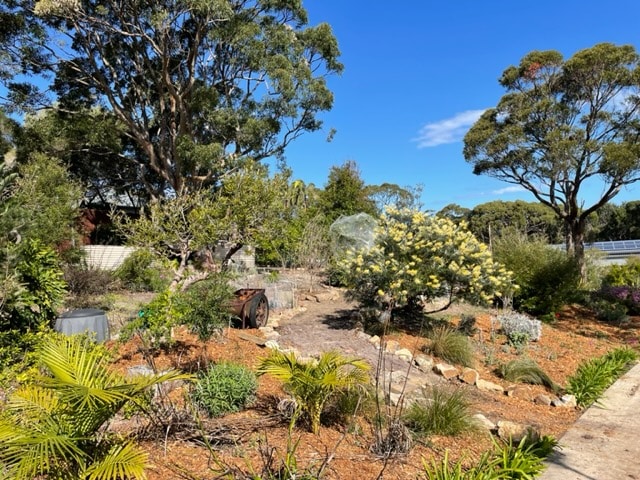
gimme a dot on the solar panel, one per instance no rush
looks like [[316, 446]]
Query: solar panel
[[615, 245]]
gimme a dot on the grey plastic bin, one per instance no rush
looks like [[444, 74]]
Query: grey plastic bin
[[85, 320]]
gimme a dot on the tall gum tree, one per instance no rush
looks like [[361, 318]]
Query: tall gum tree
[[200, 85], [564, 126]]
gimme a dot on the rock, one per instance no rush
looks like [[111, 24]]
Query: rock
[[394, 398], [515, 432], [395, 377], [375, 340], [405, 354], [484, 421], [266, 330], [311, 298], [363, 335], [469, 376], [424, 362], [542, 399], [488, 386], [391, 346], [446, 370], [272, 344], [519, 391], [566, 401]]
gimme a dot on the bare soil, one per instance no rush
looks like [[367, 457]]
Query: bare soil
[[326, 321]]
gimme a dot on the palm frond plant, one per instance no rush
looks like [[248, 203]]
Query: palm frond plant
[[55, 427], [312, 383]]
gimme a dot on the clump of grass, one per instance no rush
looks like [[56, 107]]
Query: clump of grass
[[505, 460], [525, 370], [442, 412], [594, 376], [451, 346]]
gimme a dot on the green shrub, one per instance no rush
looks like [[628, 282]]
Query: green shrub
[[443, 412], [526, 371], [594, 376], [627, 274], [143, 272], [548, 277], [154, 321], [224, 388], [205, 306], [43, 287], [451, 345], [608, 310]]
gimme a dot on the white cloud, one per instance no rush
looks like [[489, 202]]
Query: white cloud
[[511, 189], [450, 130]]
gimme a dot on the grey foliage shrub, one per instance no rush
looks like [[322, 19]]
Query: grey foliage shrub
[[225, 388], [515, 325]]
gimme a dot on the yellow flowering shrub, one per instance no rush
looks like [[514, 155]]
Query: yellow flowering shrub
[[417, 256]]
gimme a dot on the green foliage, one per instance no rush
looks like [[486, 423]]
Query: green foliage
[[417, 257], [624, 275], [246, 105], [451, 345], [312, 383], [18, 357], [548, 277], [526, 370], [224, 388], [495, 219], [44, 204], [154, 321], [506, 461], [345, 193], [521, 461], [204, 305], [442, 412], [55, 427], [141, 271], [594, 376], [44, 286]]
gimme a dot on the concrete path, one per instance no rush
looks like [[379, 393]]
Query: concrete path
[[604, 444]]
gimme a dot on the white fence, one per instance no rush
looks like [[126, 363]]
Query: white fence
[[106, 257]]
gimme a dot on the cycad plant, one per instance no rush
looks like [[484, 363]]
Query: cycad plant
[[312, 383], [55, 427]]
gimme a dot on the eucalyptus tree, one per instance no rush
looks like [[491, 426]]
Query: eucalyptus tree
[[200, 86], [564, 126]]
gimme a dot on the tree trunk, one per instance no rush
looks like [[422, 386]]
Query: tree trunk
[[577, 230]]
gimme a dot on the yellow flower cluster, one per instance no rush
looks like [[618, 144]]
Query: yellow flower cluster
[[420, 255]]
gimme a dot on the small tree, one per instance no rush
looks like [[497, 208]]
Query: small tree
[[561, 126], [417, 257]]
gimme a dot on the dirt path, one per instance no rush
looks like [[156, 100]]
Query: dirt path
[[331, 324]]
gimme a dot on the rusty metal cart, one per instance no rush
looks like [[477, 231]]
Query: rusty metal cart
[[251, 307]]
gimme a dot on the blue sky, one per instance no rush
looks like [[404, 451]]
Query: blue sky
[[418, 72]]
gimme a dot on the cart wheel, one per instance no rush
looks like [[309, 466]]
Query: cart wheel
[[259, 312]]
